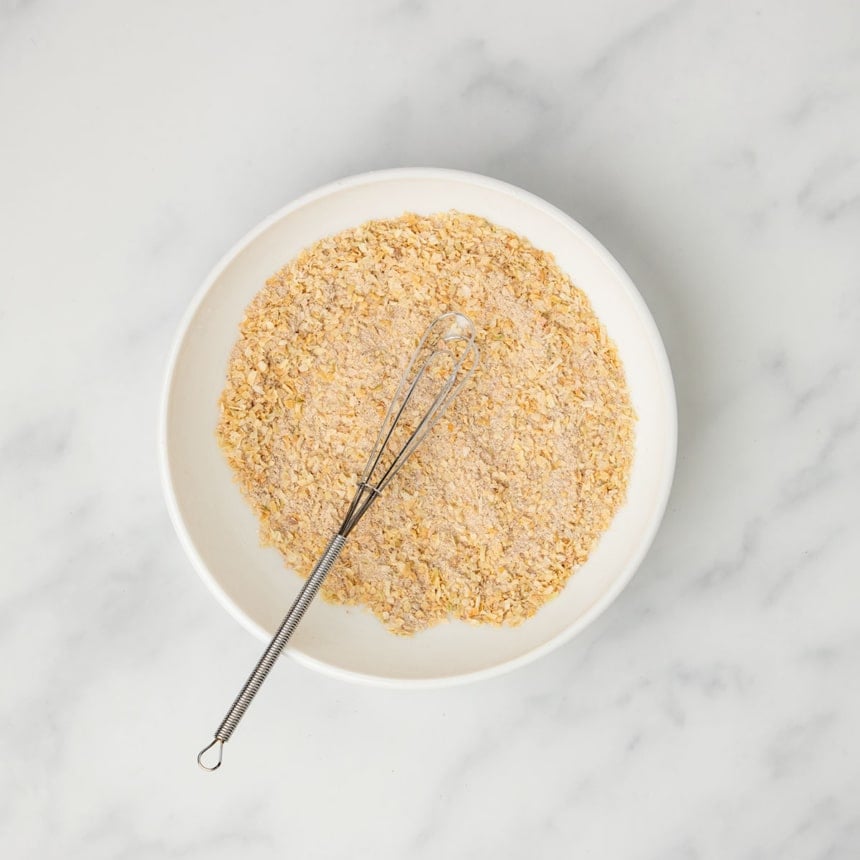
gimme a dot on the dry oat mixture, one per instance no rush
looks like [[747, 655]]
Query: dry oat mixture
[[511, 490]]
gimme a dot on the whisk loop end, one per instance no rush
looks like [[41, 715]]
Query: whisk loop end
[[444, 360], [201, 756]]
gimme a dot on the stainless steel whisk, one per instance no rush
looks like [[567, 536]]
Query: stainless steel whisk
[[445, 358]]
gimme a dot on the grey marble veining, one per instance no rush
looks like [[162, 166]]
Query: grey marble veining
[[715, 149]]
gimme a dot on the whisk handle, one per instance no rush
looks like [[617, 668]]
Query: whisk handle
[[272, 652]]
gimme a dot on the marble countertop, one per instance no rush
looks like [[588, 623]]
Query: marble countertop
[[713, 711]]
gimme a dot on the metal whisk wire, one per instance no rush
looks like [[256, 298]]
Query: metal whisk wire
[[447, 349], [450, 337]]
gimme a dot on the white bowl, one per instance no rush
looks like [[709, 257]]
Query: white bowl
[[219, 531]]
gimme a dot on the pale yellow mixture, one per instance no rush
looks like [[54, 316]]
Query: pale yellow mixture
[[509, 493]]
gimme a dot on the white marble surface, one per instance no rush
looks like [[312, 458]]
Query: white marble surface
[[715, 148]]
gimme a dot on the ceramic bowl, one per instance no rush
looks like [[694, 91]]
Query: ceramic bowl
[[219, 531]]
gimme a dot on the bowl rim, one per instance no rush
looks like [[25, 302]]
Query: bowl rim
[[650, 329]]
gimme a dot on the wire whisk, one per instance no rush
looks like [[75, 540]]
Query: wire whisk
[[444, 360]]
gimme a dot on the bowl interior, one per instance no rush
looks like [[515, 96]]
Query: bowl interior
[[220, 532]]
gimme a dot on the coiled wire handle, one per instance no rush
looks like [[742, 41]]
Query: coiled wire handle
[[270, 655]]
